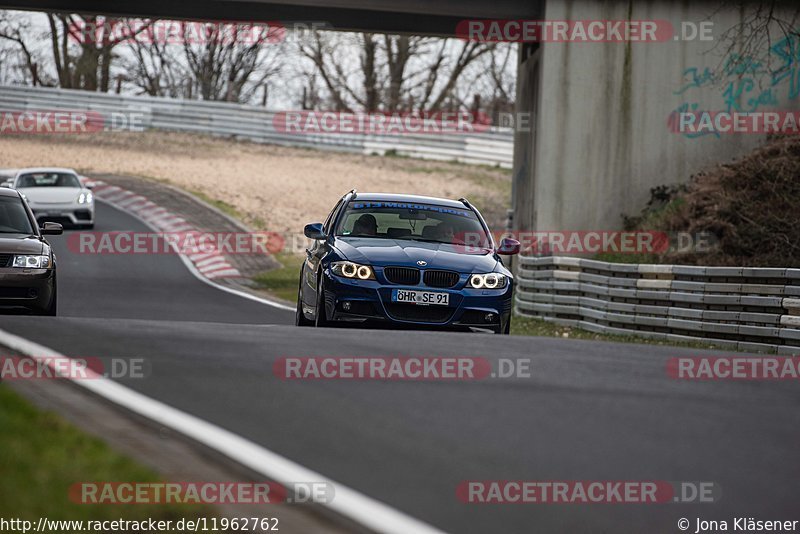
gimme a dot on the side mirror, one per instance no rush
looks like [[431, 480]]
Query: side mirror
[[314, 231], [7, 183], [508, 247], [51, 228]]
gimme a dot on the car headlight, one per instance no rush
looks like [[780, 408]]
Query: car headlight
[[31, 262], [85, 198], [488, 281], [348, 269]]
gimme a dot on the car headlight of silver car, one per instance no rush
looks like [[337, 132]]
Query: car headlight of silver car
[[348, 269], [31, 262], [85, 198], [488, 281]]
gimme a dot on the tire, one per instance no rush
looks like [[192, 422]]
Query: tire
[[504, 330], [299, 316], [52, 308], [321, 316]]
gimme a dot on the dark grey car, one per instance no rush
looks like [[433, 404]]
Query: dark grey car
[[27, 262]]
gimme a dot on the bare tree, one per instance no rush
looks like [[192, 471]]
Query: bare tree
[[154, 68], [83, 48], [19, 55], [490, 83], [326, 56], [767, 30], [232, 62], [389, 73]]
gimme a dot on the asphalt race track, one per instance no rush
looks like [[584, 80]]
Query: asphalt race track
[[590, 411]]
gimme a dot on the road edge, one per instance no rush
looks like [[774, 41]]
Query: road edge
[[347, 503]]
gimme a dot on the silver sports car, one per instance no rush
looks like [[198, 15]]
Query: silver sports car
[[56, 195]]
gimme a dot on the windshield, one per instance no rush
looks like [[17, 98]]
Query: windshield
[[13, 217], [412, 221], [48, 179]]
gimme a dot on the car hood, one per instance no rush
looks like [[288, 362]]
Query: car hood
[[401, 252], [20, 244], [51, 194]]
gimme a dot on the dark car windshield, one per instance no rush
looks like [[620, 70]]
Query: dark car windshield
[[412, 221], [48, 179], [13, 217]]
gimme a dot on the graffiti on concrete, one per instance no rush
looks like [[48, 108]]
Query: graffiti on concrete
[[746, 84]]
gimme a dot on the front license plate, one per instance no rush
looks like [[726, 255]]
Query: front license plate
[[420, 297]]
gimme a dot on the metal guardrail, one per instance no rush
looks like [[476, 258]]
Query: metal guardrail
[[255, 124], [741, 308]]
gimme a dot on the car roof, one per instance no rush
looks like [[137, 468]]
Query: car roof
[[46, 169], [8, 192], [394, 197]]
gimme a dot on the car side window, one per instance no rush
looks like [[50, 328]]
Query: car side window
[[332, 216]]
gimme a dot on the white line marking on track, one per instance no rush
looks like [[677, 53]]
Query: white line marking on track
[[129, 202], [347, 502], [227, 273], [151, 211], [118, 195], [197, 257], [216, 267], [209, 261]]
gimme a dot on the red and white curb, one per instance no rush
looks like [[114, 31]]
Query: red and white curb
[[211, 264]]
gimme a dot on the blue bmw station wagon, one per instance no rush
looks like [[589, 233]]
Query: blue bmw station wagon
[[405, 260]]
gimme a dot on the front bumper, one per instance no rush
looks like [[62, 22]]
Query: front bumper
[[350, 300], [70, 213], [26, 288]]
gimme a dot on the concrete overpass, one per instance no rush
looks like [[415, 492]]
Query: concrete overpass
[[391, 16]]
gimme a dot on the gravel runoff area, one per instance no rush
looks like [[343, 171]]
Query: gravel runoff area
[[272, 187]]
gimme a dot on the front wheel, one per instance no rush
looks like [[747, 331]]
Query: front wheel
[[504, 330], [300, 317], [52, 308], [321, 316]]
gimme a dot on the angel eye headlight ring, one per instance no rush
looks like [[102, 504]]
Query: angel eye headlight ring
[[349, 270]]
